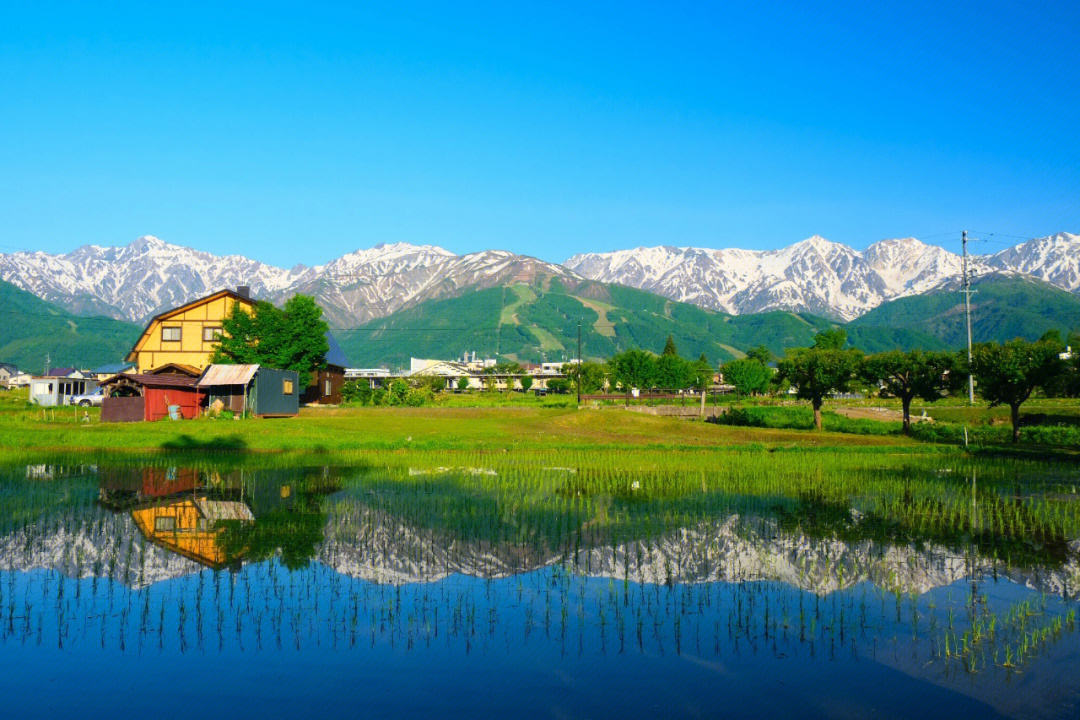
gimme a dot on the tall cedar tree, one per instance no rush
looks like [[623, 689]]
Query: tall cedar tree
[[908, 375], [818, 373], [1007, 373], [669, 347], [288, 338]]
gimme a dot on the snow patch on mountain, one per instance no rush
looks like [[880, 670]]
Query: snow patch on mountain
[[817, 275]]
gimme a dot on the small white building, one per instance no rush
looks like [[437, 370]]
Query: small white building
[[376, 377], [54, 391]]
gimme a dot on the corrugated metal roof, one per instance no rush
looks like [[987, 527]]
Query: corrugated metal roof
[[228, 375], [215, 510]]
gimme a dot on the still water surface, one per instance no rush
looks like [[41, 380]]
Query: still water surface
[[170, 590]]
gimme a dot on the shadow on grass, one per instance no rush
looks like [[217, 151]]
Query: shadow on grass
[[186, 443]]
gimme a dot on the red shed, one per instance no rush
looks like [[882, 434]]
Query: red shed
[[158, 393]]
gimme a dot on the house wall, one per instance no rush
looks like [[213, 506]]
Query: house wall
[[152, 351], [158, 401], [270, 398], [123, 409], [324, 387], [54, 391]]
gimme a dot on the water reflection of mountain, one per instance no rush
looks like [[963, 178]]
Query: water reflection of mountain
[[377, 547], [109, 545], [161, 522]]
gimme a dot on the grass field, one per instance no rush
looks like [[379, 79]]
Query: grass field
[[506, 423]]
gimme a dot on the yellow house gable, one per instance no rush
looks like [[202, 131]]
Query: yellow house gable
[[186, 335]]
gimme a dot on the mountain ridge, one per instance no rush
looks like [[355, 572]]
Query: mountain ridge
[[814, 275]]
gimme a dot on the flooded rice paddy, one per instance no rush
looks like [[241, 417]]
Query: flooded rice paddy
[[765, 585]]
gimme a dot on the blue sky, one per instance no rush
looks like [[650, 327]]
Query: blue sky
[[292, 134]]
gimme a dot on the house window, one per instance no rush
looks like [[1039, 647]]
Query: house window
[[170, 334], [287, 387], [210, 334], [326, 388], [164, 524]]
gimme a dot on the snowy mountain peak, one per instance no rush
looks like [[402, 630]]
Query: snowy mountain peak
[[818, 275]]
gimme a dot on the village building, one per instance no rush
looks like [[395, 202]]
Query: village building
[[7, 373], [56, 391], [187, 335], [189, 526], [252, 389], [150, 397], [104, 372], [67, 372], [324, 386]]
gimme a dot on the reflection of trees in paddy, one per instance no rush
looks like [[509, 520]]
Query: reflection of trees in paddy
[[589, 561]]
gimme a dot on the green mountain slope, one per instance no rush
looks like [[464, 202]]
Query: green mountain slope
[[30, 328], [1003, 308], [534, 323]]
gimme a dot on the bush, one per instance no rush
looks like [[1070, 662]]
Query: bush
[[558, 385], [357, 392], [802, 418]]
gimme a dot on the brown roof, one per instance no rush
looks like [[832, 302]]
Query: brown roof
[[147, 380], [176, 369], [168, 313]]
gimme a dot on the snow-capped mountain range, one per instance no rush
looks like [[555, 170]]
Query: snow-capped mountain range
[[820, 276], [135, 281]]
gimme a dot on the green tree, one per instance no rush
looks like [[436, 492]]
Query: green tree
[[558, 385], [672, 372], [761, 353], [833, 339], [748, 375], [356, 391], [463, 383], [1008, 373], [592, 375], [701, 374], [817, 373], [669, 348], [526, 383], [907, 375], [289, 338], [633, 369]]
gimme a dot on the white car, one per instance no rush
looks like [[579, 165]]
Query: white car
[[88, 399]]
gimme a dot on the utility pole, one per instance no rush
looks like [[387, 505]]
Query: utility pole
[[48, 357], [966, 285], [578, 369]]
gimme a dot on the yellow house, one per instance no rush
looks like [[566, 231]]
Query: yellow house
[[188, 334], [188, 526]]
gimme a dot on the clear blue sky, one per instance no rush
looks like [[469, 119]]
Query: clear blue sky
[[292, 134]]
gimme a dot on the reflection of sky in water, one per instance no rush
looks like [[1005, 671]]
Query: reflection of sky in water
[[394, 614]]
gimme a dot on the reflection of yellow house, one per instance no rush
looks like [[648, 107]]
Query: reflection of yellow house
[[188, 526], [186, 335]]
